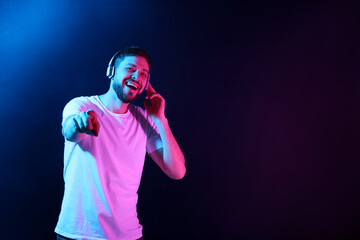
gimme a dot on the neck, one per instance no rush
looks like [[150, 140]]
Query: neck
[[113, 103]]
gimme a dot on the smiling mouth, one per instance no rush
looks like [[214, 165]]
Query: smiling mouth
[[132, 85]]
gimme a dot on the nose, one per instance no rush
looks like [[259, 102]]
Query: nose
[[135, 75]]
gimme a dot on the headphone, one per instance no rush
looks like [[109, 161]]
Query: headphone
[[110, 71]]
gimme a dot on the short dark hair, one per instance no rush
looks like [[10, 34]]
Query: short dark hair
[[133, 51]]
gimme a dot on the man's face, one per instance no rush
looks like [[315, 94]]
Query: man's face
[[130, 78]]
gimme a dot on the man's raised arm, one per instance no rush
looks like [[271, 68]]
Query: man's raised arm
[[169, 158]]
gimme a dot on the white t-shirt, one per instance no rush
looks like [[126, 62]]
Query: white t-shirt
[[102, 174]]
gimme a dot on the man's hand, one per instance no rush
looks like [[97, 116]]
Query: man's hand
[[170, 157], [87, 122], [157, 109]]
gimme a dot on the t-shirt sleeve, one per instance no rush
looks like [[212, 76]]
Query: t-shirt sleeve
[[153, 137], [75, 106]]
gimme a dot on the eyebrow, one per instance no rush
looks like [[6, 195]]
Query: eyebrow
[[133, 65]]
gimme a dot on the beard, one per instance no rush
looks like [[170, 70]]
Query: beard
[[125, 98]]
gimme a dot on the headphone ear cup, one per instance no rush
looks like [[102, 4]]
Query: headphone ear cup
[[110, 72]]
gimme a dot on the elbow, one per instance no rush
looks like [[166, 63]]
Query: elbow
[[180, 174]]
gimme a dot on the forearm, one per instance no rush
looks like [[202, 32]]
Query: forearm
[[174, 159]]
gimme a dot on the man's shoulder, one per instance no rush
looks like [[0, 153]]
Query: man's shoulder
[[82, 100], [81, 103]]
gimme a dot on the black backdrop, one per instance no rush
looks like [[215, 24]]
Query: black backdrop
[[263, 98]]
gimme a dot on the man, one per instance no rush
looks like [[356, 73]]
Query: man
[[106, 139]]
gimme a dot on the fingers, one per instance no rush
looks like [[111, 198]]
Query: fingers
[[147, 105], [96, 128], [155, 95], [150, 90], [93, 123], [91, 113], [80, 125], [87, 122], [152, 94]]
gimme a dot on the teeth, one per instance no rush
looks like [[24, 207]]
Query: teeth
[[131, 85]]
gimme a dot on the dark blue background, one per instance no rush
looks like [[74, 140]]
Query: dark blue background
[[263, 99]]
